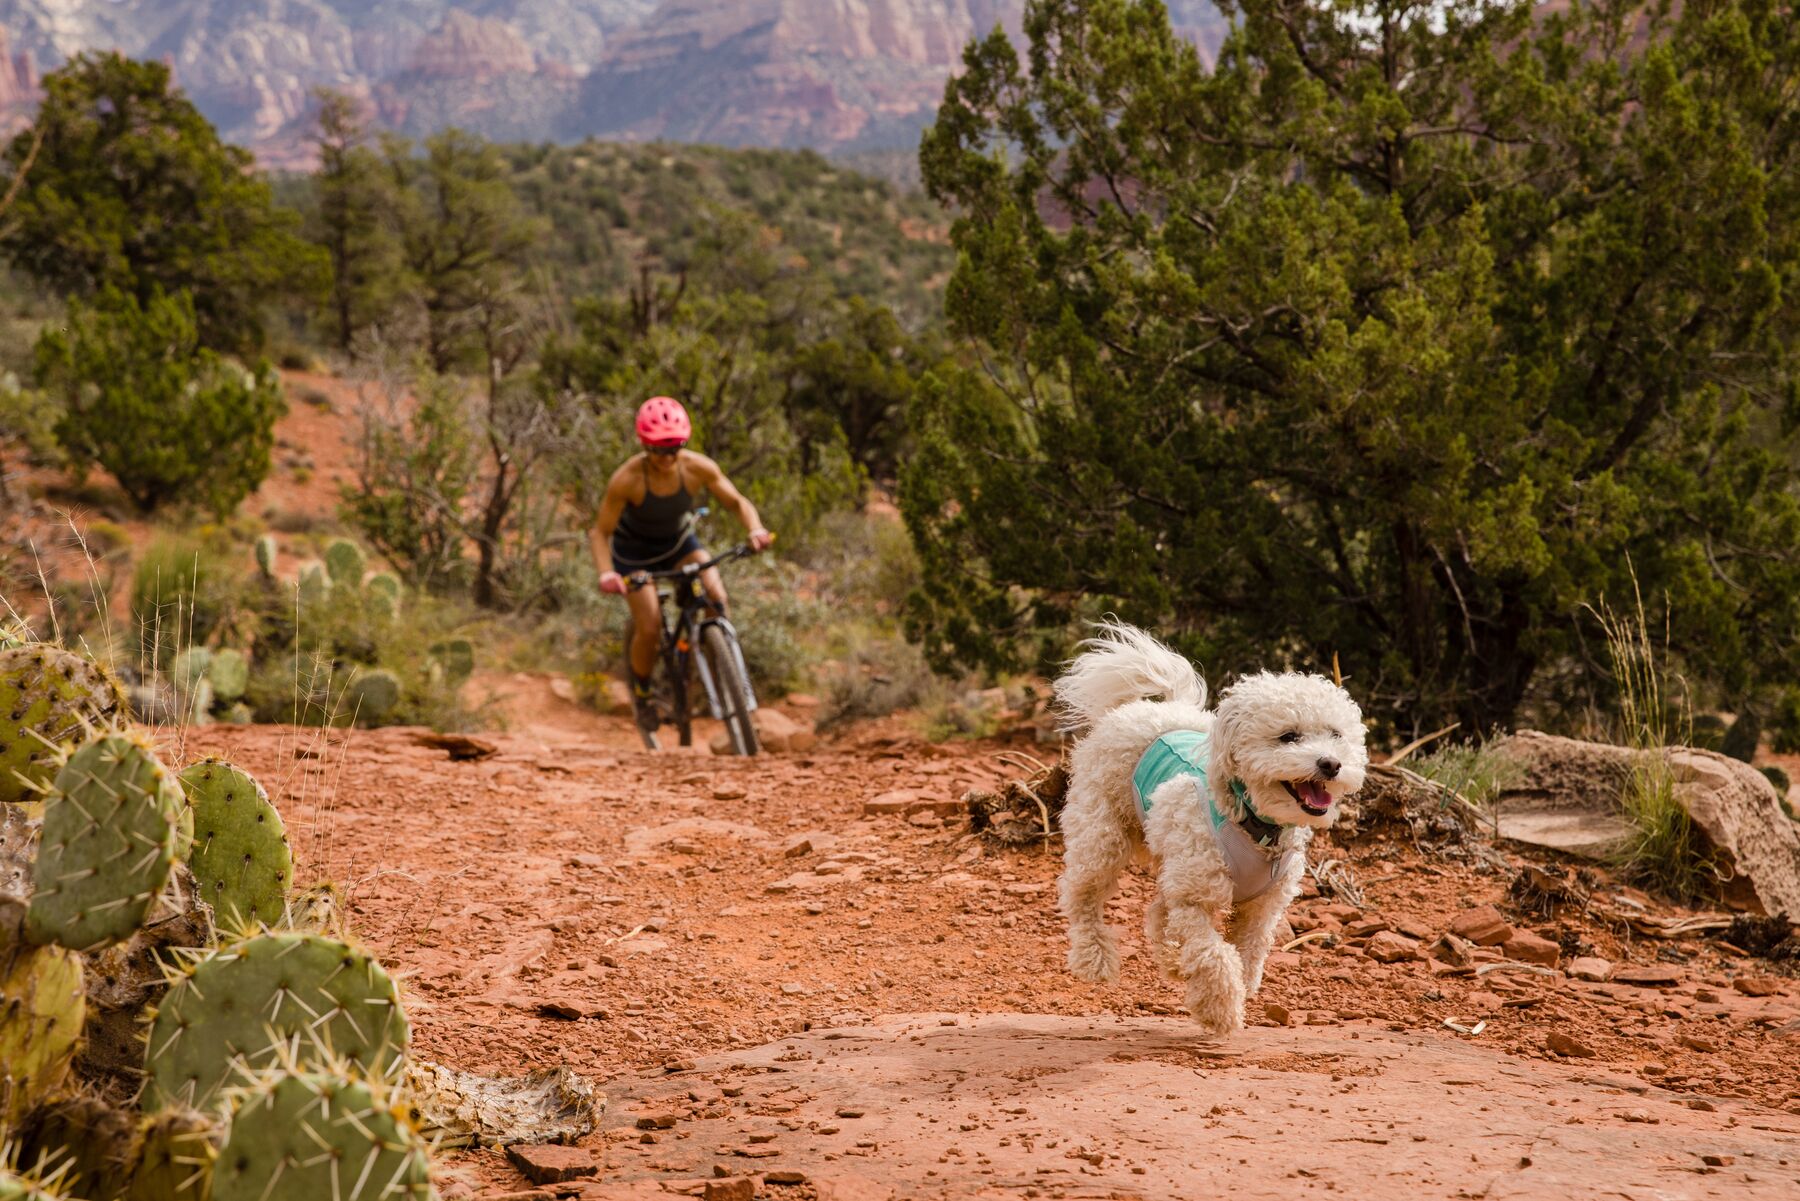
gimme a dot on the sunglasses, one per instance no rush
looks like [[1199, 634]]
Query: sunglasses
[[667, 451]]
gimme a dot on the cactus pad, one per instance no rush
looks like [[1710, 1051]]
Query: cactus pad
[[371, 696], [190, 667], [173, 1158], [265, 555], [85, 1141], [313, 583], [41, 1010], [110, 837], [311, 1137], [48, 697], [240, 855], [14, 1187], [382, 592], [229, 673], [238, 1009], [345, 561], [457, 657]]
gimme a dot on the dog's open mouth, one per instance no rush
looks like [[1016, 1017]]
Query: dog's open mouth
[[1310, 795]]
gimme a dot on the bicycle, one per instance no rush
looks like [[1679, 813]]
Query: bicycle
[[719, 663]]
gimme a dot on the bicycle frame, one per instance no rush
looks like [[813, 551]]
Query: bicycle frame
[[694, 612]]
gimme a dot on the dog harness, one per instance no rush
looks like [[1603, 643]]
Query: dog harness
[[1248, 845]]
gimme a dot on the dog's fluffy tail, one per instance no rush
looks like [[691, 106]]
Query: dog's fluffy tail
[[1118, 665]]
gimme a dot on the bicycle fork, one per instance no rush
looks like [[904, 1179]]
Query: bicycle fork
[[706, 677]]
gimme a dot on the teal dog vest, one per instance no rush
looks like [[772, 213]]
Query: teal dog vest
[[1251, 860]]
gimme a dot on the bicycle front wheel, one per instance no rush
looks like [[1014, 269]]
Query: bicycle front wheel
[[733, 687]]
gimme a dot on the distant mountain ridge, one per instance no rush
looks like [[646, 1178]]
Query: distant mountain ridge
[[827, 74]]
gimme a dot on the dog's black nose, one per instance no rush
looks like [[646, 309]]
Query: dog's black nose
[[1329, 767]]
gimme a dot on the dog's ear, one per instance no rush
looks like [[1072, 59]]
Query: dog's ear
[[1222, 765]]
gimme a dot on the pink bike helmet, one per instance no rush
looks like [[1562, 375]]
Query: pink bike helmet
[[661, 421]]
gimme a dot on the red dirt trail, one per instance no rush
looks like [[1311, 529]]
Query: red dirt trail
[[834, 1005]]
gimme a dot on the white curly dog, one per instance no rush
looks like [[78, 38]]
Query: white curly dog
[[1225, 802]]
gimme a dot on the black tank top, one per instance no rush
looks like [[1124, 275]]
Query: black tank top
[[659, 520]]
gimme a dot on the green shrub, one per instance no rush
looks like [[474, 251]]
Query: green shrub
[[880, 676], [142, 398], [184, 588], [1474, 772]]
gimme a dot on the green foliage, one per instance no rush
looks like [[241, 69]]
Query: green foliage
[[1470, 770], [1393, 337], [416, 468], [184, 589], [143, 398], [616, 206], [132, 191], [353, 207], [462, 234]]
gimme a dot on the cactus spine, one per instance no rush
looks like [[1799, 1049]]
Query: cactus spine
[[110, 838], [49, 698], [241, 1008], [173, 1158], [312, 1137]]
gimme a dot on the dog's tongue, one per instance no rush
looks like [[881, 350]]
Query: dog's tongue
[[1314, 797]]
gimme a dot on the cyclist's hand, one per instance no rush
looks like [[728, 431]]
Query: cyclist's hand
[[613, 582], [761, 539]]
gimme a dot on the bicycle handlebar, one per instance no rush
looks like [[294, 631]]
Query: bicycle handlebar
[[638, 579]]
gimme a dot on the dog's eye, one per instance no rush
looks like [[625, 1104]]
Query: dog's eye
[[1290, 736]]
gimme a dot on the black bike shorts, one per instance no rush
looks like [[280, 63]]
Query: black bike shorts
[[631, 555]]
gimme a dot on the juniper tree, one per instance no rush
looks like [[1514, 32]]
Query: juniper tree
[[1398, 337]]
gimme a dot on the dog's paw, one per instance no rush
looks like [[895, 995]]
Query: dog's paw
[[1214, 1013], [1095, 959], [1215, 989]]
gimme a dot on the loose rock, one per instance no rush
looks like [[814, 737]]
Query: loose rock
[[1484, 926], [544, 1163], [1388, 947], [1527, 947], [1564, 1044], [1588, 967]]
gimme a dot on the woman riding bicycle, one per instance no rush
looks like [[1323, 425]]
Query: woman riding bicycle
[[646, 523]]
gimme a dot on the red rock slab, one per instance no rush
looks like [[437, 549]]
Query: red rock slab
[[1484, 926], [550, 1163], [1144, 1107]]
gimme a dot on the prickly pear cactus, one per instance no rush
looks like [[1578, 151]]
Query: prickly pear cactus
[[371, 696], [384, 593], [14, 1187], [110, 836], [230, 675], [314, 584], [457, 657], [239, 714], [265, 556], [251, 1002], [173, 1158], [198, 703], [240, 855], [188, 668], [42, 1006], [346, 563], [86, 1140], [49, 697], [316, 1137]]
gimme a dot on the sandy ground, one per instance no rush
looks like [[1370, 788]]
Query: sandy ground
[[575, 900]]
